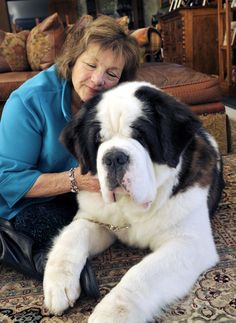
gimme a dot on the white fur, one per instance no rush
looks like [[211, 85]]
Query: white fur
[[176, 229]]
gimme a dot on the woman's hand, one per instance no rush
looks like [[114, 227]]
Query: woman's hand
[[53, 184], [86, 182]]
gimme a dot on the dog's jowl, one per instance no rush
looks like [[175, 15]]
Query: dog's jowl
[[161, 179]]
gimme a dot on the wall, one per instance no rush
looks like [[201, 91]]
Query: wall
[[150, 8], [82, 8]]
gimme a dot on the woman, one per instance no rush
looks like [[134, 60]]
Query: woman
[[38, 176]]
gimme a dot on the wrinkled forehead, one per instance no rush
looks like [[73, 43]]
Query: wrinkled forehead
[[117, 113], [105, 54]]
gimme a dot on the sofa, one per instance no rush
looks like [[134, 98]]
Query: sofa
[[24, 54]]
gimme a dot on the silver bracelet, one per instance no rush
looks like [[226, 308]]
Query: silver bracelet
[[73, 184]]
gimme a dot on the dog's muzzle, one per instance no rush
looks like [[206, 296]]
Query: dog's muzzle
[[116, 163], [125, 170]]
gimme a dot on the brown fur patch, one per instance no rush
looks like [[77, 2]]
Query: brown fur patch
[[203, 162], [199, 165]]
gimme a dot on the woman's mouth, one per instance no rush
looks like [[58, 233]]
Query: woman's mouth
[[93, 90]]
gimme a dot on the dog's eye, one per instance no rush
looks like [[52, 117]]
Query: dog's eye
[[139, 136], [98, 138], [136, 134]]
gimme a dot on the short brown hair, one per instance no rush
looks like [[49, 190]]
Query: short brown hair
[[108, 34]]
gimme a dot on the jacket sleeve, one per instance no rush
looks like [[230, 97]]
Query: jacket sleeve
[[21, 130]]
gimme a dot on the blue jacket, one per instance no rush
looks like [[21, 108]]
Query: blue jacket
[[31, 123]]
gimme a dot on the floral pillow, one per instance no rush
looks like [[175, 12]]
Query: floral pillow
[[124, 22], [45, 42], [13, 56]]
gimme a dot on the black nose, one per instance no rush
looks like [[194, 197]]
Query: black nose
[[115, 159]]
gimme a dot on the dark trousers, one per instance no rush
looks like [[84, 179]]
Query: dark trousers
[[43, 221]]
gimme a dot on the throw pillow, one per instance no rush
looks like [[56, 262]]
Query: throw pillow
[[149, 40], [13, 57], [124, 22], [45, 42]]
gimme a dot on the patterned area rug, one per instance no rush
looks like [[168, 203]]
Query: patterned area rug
[[212, 299]]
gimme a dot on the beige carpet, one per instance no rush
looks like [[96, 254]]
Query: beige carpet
[[212, 299]]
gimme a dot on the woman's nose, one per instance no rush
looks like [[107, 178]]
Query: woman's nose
[[98, 78]]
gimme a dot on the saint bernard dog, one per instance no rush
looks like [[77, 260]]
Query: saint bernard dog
[[160, 174]]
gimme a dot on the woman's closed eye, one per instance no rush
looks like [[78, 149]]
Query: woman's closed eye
[[113, 75], [110, 74], [91, 65]]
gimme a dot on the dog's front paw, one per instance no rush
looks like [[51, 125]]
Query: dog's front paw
[[116, 308], [61, 290]]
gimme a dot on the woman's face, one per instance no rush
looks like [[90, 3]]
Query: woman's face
[[96, 70]]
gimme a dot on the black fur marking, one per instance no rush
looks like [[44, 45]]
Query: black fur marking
[[166, 127], [81, 136], [216, 189]]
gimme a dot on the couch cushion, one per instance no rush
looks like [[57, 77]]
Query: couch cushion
[[45, 42], [149, 40], [182, 82], [11, 81], [211, 107], [13, 55]]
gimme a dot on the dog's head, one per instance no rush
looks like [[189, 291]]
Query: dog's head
[[121, 134]]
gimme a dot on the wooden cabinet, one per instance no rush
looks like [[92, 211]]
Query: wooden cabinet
[[227, 51], [190, 38]]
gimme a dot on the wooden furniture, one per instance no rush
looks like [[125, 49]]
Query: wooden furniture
[[4, 17], [190, 38], [67, 10], [226, 51]]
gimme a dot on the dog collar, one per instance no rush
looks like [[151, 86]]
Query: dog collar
[[110, 227]]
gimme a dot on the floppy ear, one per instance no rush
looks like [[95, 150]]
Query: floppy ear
[[79, 134], [72, 139], [174, 123]]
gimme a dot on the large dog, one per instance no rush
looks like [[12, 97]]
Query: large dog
[[161, 179]]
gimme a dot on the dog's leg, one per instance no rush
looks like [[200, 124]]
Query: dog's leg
[[71, 248], [159, 279]]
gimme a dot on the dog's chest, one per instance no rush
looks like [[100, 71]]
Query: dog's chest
[[130, 223]]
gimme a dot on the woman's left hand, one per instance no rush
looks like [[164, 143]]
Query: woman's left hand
[[86, 182]]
